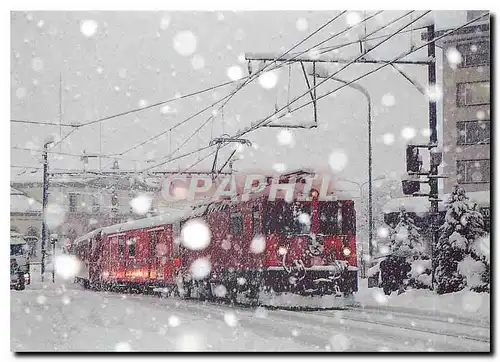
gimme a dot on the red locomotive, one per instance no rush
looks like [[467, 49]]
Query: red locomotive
[[258, 249]]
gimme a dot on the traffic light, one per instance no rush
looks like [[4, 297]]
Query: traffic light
[[413, 159]]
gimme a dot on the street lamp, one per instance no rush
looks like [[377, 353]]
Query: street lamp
[[44, 203], [323, 73], [370, 212]]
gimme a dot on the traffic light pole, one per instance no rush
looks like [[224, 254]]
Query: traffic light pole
[[433, 140]]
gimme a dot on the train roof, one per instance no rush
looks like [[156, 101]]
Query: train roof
[[163, 219]]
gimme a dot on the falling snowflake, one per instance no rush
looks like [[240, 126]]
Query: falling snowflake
[[185, 42], [230, 319], [54, 215], [143, 103], [337, 160], [434, 93], [174, 321], [426, 132], [123, 347], [235, 73], [100, 70], [37, 64], [141, 204], [295, 332], [66, 300], [40, 23], [88, 27], [200, 268], [66, 266], [301, 24], [220, 16], [353, 18], [41, 299], [304, 219], [340, 343], [220, 291], [388, 100], [197, 62], [481, 115], [388, 138], [268, 79], [165, 22], [195, 234], [258, 244], [453, 56], [285, 137], [408, 133], [380, 297], [382, 232], [226, 244]]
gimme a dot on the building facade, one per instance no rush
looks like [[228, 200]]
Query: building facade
[[466, 107]]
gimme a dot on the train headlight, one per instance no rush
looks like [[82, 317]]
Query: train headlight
[[346, 251]]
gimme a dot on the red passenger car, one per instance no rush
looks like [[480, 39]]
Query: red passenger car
[[260, 248]]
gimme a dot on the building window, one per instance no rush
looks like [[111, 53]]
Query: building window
[[473, 94], [131, 247], [121, 247], [236, 224], [72, 202], [473, 132], [474, 54], [473, 171], [256, 221]]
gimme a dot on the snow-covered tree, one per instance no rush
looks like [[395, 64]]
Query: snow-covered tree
[[405, 238], [456, 260]]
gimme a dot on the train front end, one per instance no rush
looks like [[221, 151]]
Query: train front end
[[310, 256]]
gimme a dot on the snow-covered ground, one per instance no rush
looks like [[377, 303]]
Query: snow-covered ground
[[65, 317], [465, 304]]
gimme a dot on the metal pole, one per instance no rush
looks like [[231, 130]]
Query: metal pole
[[44, 206], [53, 260], [370, 186], [433, 139]]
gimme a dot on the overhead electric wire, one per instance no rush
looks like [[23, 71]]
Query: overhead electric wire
[[247, 80], [317, 85], [413, 50], [44, 123], [289, 61]]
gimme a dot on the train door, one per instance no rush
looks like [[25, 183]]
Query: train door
[[153, 260], [237, 235]]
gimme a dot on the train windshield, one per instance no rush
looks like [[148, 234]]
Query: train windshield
[[293, 218]]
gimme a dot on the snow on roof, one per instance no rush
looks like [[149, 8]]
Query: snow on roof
[[21, 203], [163, 219], [422, 204]]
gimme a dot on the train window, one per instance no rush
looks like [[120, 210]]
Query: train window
[[290, 220], [236, 224], [131, 247], [268, 218], [255, 220], [121, 247], [328, 218], [349, 218]]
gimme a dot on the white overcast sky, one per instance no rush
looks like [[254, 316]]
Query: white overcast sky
[[131, 58]]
